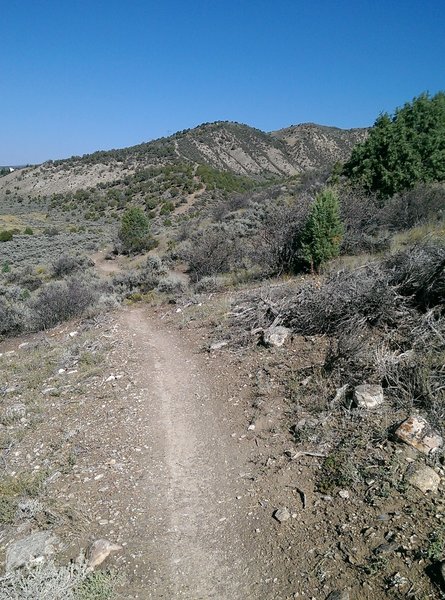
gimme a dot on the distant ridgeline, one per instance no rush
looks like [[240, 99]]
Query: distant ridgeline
[[8, 169]]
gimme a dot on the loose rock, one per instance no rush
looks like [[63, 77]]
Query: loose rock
[[100, 550], [218, 345], [368, 396], [276, 335], [281, 515], [338, 595], [417, 432], [424, 478]]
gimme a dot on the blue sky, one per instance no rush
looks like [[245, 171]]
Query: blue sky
[[77, 76]]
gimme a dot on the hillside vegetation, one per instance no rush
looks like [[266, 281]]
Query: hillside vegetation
[[224, 146]]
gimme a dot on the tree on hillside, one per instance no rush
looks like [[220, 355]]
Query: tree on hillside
[[134, 232], [402, 149], [323, 231]]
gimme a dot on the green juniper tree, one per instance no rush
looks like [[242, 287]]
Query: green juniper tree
[[134, 232], [403, 149], [323, 231]]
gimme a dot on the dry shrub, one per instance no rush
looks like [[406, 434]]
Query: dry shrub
[[61, 300], [385, 322], [143, 279], [424, 203], [346, 299], [11, 318], [419, 273], [67, 264], [211, 251], [275, 244]]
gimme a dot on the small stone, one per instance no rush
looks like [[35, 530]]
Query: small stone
[[49, 390], [418, 433], [424, 478], [281, 515], [100, 550], [251, 427], [73, 334], [218, 345], [340, 395], [344, 494], [276, 335], [385, 548], [338, 595], [368, 396], [23, 345]]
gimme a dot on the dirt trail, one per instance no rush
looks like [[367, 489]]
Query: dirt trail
[[187, 491], [103, 265]]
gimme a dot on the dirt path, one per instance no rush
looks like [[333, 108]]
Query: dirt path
[[186, 491], [103, 265]]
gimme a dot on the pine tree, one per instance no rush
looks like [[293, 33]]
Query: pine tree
[[322, 234]]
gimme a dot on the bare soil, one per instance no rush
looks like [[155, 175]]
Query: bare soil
[[182, 455]]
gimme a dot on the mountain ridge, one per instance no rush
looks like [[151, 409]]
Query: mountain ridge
[[223, 145]]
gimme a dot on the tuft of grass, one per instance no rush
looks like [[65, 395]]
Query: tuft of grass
[[26, 484], [8, 509], [53, 582], [436, 545], [338, 471], [12, 489], [419, 234], [98, 585]]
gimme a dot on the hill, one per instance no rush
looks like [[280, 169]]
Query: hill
[[312, 146], [225, 146]]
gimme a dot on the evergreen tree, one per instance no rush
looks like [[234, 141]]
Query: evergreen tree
[[322, 234], [134, 232], [402, 150]]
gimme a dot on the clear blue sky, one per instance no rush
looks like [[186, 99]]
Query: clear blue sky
[[77, 76]]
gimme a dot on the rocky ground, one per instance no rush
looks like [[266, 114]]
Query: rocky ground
[[186, 465]]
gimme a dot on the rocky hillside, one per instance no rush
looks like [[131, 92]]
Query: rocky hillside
[[224, 146], [312, 146]]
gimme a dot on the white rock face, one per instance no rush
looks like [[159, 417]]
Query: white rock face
[[423, 478], [368, 396], [418, 433]]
